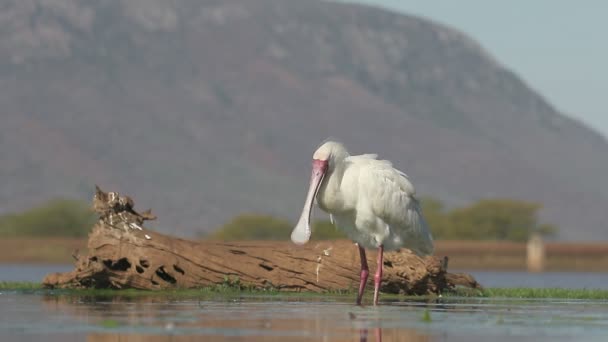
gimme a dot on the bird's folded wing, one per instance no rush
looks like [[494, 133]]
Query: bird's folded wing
[[392, 199]]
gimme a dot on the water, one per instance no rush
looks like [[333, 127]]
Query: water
[[30, 272], [572, 280], [51, 316]]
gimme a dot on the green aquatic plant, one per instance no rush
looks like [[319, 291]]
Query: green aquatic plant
[[426, 316], [541, 293], [19, 285], [232, 286], [109, 323]]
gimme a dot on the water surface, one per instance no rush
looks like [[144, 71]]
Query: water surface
[[569, 280], [572, 280], [51, 316], [56, 316], [30, 272]]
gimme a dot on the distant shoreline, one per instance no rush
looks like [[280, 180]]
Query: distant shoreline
[[470, 255]]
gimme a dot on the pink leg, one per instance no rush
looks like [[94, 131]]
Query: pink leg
[[378, 276], [363, 335], [364, 332], [378, 332], [364, 273]]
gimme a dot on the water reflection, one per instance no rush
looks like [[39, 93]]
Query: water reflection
[[155, 319], [376, 334], [53, 316]]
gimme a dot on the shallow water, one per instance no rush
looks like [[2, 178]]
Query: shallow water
[[30, 272], [53, 316], [569, 280], [572, 280]]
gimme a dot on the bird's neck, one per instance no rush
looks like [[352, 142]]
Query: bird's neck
[[329, 197]]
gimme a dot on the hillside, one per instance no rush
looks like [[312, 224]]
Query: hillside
[[206, 109]]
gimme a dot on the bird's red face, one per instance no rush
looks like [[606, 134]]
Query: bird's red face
[[301, 233], [319, 168]]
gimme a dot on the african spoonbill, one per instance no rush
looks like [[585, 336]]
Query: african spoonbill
[[368, 199]]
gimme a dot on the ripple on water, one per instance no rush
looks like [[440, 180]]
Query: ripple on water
[[55, 317]]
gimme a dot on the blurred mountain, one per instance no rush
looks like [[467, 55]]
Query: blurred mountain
[[204, 109]]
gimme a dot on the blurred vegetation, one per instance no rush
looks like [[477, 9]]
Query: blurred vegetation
[[325, 230], [488, 219], [267, 227], [253, 227], [56, 218]]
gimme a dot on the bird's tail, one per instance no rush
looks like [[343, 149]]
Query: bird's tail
[[423, 244]]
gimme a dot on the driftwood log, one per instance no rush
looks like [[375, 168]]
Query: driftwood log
[[124, 254]]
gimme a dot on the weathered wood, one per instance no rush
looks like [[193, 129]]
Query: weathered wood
[[120, 256]]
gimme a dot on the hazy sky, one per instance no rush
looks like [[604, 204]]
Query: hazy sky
[[559, 48]]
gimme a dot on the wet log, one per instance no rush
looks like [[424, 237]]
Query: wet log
[[123, 255]]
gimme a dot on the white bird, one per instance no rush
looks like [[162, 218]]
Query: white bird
[[368, 199]]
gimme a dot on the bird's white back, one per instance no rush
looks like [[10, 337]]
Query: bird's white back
[[385, 195]]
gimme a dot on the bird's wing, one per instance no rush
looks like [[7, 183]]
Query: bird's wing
[[379, 169], [391, 197], [363, 157]]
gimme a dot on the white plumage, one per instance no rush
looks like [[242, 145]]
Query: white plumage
[[368, 199]]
